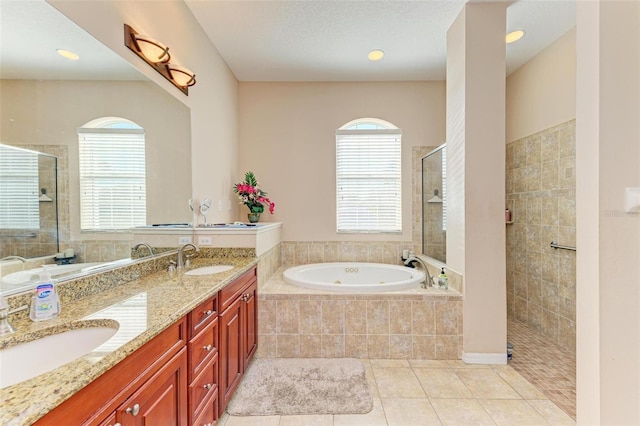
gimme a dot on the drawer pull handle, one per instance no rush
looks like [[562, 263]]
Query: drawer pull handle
[[133, 411], [207, 348], [207, 386], [208, 312]]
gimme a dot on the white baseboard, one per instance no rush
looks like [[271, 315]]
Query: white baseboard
[[484, 358]]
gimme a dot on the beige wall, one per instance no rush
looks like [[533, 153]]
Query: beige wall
[[608, 239], [476, 175], [542, 92], [287, 138], [213, 100]]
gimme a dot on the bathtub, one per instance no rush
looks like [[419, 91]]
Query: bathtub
[[354, 277]]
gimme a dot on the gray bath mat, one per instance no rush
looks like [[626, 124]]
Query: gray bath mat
[[302, 386]]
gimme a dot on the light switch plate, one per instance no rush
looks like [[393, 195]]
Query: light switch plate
[[632, 200]]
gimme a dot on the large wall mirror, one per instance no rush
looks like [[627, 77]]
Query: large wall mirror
[[434, 204], [47, 98]]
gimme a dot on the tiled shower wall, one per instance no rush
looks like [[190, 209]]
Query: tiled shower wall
[[541, 193]]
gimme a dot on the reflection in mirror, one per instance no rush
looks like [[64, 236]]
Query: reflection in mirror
[[434, 204], [45, 99], [28, 202]]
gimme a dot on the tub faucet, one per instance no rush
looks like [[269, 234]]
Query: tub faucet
[[5, 327], [429, 279], [137, 246], [180, 254]]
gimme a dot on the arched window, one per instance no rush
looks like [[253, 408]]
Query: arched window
[[112, 175], [368, 177]]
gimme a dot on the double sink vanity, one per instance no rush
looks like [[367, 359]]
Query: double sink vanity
[[136, 345]]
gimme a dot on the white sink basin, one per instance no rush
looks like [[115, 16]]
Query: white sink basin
[[30, 359], [209, 270]]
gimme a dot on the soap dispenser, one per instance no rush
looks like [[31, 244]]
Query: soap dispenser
[[443, 280], [45, 304]]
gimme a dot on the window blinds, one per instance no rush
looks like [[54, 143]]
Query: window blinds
[[112, 179], [19, 206], [368, 176]]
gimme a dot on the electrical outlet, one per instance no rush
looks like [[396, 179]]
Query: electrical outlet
[[185, 240], [204, 241]]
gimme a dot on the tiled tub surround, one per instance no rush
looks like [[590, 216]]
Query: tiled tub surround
[[389, 252], [541, 281], [167, 299], [411, 324]]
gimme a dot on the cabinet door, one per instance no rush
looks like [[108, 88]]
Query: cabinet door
[[250, 299], [161, 400], [231, 354]]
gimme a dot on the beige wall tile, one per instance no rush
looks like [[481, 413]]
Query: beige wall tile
[[448, 347], [400, 346], [400, 317], [267, 345], [423, 317], [333, 316], [355, 316], [332, 346], [446, 318], [310, 316], [355, 346], [424, 347], [288, 346], [267, 317], [378, 346], [377, 317], [287, 316], [310, 346]]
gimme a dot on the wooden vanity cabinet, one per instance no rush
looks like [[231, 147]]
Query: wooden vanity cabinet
[[156, 373], [238, 323], [186, 375]]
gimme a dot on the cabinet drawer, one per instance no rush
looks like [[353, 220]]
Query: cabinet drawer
[[202, 315], [202, 348], [203, 387], [231, 292], [208, 415]]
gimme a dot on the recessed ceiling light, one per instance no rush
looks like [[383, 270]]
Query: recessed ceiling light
[[376, 55], [68, 54], [514, 36]]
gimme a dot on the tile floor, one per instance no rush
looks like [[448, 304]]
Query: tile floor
[[434, 392], [548, 367]]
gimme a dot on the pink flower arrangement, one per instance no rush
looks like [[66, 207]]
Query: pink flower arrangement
[[252, 196]]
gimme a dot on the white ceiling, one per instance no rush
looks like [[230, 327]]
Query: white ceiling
[[30, 33], [316, 40], [282, 40]]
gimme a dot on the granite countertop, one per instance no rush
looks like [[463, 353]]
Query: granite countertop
[[143, 308]]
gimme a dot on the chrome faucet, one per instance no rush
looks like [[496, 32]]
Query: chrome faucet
[[429, 281], [180, 254], [20, 258], [5, 327], [137, 246]]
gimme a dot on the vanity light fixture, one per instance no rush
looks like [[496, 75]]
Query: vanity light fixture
[[375, 55], [158, 57], [514, 36]]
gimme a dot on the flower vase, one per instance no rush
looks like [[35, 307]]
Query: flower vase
[[253, 217]]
